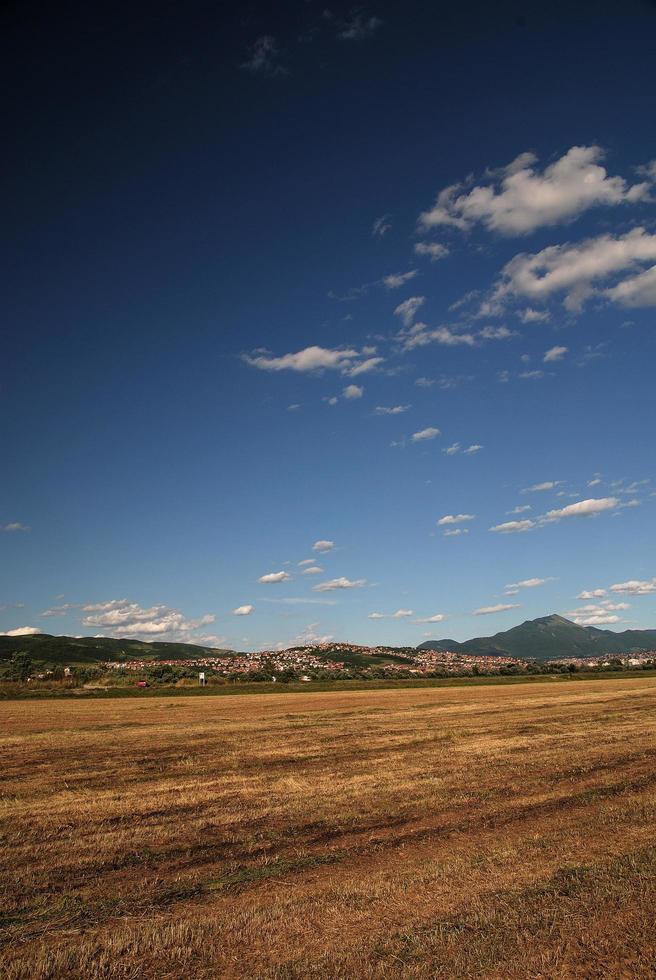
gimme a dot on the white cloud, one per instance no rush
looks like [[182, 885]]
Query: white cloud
[[272, 578], [513, 527], [343, 359], [595, 482], [313, 570], [591, 594], [598, 619], [376, 615], [520, 509], [407, 310], [125, 618], [583, 508], [554, 354], [528, 583], [352, 391], [574, 269], [22, 631], [456, 532], [519, 198], [496, 333], [243, 610], [452, 450], [364, 367], [424, 434], [639, 290], [397, 279], [339, 583], [500, 607], [530, 315], [306, 561], [16, 526], [540, 487], [381, 226], [322, 546], [471, 450], [393, 410], [432, 250], [437, 618], [597, 614], [455, 519], [635, 587], [420, 335], [399, 614], [293, 408], [531, 375]]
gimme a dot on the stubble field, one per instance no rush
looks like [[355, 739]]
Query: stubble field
[[499, 831]]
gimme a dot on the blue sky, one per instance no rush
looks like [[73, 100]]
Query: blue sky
[[331, 323]]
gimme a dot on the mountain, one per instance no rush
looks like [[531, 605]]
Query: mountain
[[549, 637], [52, 650]]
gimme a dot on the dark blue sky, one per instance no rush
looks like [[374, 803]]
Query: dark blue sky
[[190, 205]]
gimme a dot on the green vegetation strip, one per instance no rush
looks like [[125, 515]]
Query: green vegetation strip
[[19, 692]]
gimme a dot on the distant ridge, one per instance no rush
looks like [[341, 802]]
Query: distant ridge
[[546, 638], [549, 637]]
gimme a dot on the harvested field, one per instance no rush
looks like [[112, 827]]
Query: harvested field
[[497, 831]]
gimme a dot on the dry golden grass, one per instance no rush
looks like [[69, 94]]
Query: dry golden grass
[[501, 831]]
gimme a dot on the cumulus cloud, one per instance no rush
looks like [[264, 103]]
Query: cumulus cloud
[[634, 291], [22, 631], [322, 546], [313, 570], [574, 270], [452, 449], [635, 587], [455, 519], [513, 527], [339, 583], [420, 335], [352, 391], [392, 410], [397, 279], [432, 250], [473, 449], [591, 594], [456, 532], [272, 578], [500, 607], [408, 309], [122, 617], [583, 508], [520, 509], [437, 618], [243, 610], [15, 526], [554, 354], [597, 614], [425, 434], [346, 360], [529, 315], [519, 198]]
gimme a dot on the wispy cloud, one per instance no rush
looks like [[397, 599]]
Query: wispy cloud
[[339, 583]]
